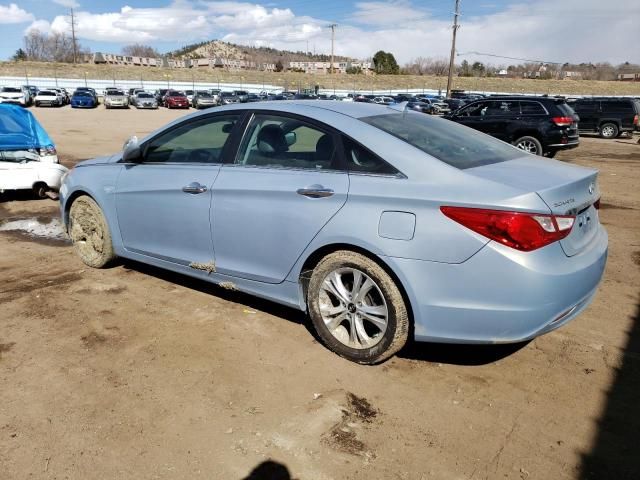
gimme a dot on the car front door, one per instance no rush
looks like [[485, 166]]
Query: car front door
[[163, 202], [588, 111], [473, 116], [284, 185]]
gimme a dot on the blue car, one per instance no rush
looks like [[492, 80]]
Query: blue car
[[380, 222], [83, 99]]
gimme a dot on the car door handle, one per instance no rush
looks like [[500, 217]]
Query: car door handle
[[315, 191], [194, 188]]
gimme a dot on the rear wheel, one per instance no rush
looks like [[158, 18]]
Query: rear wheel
[[608, 130], [356, 308], [89, 233], [529, 144]]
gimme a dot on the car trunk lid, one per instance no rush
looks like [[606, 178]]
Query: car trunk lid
[[565, 189]]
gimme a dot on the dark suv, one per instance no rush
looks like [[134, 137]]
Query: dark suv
[[538, 125], [609, 117]]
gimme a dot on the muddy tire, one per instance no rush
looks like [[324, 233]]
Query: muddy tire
[[40, 190], [89, 233], [356, 308]]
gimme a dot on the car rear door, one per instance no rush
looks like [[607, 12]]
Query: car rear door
[[163, 203], [284, 185]]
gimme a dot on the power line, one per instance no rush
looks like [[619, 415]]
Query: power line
[[453, 46], [510, 58]]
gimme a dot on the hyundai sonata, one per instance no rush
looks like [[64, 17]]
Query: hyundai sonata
[[380, 222]]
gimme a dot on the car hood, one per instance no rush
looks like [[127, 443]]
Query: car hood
[[99, 160]]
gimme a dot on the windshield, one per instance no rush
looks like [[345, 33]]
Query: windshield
[[176, 94], [115, 92], [145, 95], [82, 94], [454, 144], [204, 95], [11, 90]]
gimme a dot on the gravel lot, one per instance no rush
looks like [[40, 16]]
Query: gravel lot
[[133, 372]]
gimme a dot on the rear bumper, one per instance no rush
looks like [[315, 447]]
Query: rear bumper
[[501, 295]]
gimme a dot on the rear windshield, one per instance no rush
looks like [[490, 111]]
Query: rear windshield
[[565, 109], [454, 144], [46, 94], [11, 90]]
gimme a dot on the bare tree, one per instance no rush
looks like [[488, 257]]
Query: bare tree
[[54, 47], [139, 50]]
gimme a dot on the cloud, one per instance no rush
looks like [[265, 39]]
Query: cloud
[[14, 14], [571, 30], [39, 25], [67, 3]]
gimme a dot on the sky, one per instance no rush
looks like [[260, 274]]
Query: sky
[[547, 30]]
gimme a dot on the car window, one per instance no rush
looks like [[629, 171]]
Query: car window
[[284, 142], [585, 107], [617, 107], [501, 107], [193, 142], [532, 108], [475, 109], [363, 160], [449, 142]]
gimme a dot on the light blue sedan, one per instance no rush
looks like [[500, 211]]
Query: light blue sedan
[[380, 222]]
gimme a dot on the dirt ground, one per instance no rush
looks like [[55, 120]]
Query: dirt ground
[[136, 373]]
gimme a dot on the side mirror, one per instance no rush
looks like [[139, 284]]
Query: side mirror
[[291, 138], [131, 151]]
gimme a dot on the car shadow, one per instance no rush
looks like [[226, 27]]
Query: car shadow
[[248, 300], [615, 453], [19, 195], [455, 354], [459, 354]]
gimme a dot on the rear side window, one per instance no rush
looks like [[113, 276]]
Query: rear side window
[[586, 107], [454, 144], [565, 109], [362, 160], [617, 107], [532, 108]]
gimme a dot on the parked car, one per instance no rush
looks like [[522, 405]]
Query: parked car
[[203, 99], [89, 90], [66, 98], [145, 100], [254, 97], [423, 107], [115, 99], [242, 95], [189, 94], [379, 223], [175, 99], [227, 98], [610, 117], [383, 100], [16, 95], [28, 158], [134, 91], [215, 93], [454, 103], [49, 98], [83, 99], [160, 93], [538, 125]]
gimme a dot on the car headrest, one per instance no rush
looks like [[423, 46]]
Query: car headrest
[[324, 148], [271, 140]]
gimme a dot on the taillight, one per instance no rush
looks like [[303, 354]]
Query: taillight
[[519, 230], [635, 120], [562, 121]]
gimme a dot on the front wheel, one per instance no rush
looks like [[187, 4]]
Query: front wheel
[[356, 308], [529, 144], [609, 130], [89, 233]]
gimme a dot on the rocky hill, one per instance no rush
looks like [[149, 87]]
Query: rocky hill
[[218, 48]]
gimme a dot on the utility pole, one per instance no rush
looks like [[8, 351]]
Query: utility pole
[[73, 37], [453, 46], [333, 35]]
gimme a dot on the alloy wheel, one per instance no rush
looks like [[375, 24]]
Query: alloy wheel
[[353, 308], [528, 146]]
